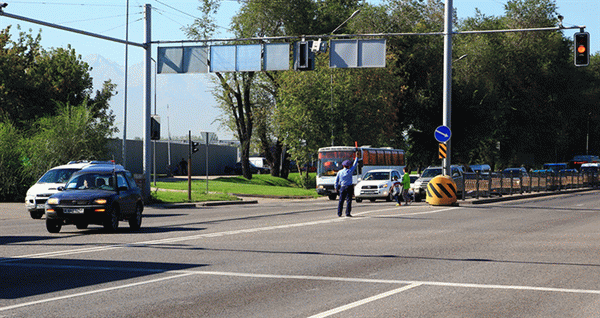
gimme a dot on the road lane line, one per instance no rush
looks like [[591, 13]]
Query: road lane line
[[91, 292], [206, 235], [363, 301], [409, 284], [393, 281]]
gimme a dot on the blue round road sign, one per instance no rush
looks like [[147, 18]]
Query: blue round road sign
[[442, 133]]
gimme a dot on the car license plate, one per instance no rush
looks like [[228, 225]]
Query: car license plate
[[40, 206], [74, 211]]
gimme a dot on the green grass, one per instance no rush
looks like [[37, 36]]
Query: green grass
[[225, 189]]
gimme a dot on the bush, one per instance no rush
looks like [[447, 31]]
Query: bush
[[14, 179], [305, 180]]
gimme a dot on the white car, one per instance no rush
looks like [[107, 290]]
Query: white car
[[377, 184], [47, 185]]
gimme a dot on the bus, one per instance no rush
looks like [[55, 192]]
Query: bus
[[330, 162]]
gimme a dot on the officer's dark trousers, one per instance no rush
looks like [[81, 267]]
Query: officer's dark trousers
[[346, 194]]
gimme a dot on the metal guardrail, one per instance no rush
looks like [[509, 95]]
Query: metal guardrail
[[478, 185]]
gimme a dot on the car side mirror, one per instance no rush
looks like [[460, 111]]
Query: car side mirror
[[123, 189]]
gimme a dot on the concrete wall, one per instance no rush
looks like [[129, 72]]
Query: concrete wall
[[219, 156]]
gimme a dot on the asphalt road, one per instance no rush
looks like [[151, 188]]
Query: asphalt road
[[295, 258]]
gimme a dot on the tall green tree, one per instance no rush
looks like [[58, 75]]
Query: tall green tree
[[32, 79], [259, 18], [519, 89], [73, 134]]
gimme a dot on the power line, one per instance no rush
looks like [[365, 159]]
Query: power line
[[185, 13], [70, 4], [99, 18]]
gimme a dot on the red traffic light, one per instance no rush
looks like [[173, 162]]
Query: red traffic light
[[582, 51]]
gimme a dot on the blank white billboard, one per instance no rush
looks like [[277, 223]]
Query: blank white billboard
[[224, 58], [183, 59], [277, 57], [357, 53]]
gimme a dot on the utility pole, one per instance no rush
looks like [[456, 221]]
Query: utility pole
[[189, 167], [447, 97], [147, 100]]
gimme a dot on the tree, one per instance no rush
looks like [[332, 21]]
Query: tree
[[260, 18], [39, 128], [519, 89], [33, 79], [73, 134]]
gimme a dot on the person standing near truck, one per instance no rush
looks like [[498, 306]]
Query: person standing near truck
[[406, 185], [344, 185]]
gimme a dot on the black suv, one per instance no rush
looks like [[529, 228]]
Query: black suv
[[100, 194]]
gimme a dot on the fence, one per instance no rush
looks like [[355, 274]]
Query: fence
[[478, 185]]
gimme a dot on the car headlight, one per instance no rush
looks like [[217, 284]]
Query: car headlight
[[52, 201], [383, 185], [100, 201]]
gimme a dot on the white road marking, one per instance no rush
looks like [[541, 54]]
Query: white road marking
[[187, 273], [363, 301], [96, 291], [409, 284], [207, 235]]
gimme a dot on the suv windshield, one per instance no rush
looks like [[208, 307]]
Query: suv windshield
[[57, 175], [92, 180], [431, 172], [377, 176]]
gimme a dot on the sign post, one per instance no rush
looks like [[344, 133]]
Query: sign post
[[442, 134]]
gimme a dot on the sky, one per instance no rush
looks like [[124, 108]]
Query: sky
[[109, 18]]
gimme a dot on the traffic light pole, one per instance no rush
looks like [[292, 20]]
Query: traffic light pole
[[447, 97]]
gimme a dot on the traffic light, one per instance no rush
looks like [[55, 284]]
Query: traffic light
[[155, 127], [194, 146], [582, 49], [304, 57]]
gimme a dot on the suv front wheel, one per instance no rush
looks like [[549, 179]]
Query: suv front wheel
[[135, 221], [111, 223], [53, 226], [36, 214]]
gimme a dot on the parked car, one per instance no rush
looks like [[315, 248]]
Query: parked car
[[419, 187], [377, 184], [515, 172], [237, 169], [48, 184], [100, 194], [482, 169], [590, 168]]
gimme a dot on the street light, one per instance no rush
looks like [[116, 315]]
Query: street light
[[355, 13], [350, 17]]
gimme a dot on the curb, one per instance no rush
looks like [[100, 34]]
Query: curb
[[217, 203], [522, 196], [199, 204]]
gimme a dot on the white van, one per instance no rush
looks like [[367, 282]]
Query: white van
[[47, 185], [260, 162]]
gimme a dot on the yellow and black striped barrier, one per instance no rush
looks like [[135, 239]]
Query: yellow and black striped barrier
[[441, 190], [442, 150]]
